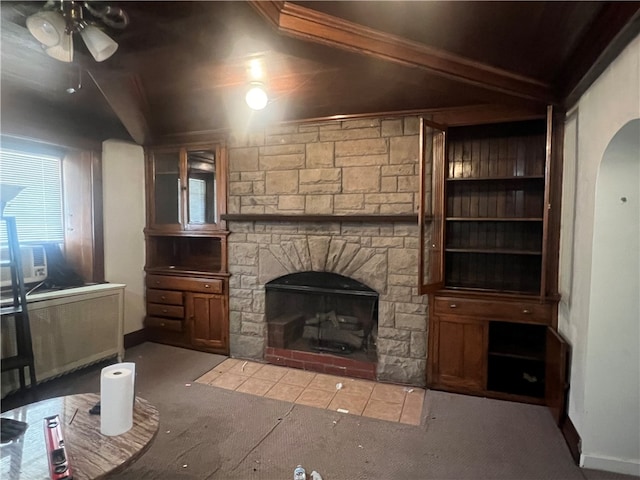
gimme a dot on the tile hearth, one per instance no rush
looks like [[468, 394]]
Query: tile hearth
[[357, 397]]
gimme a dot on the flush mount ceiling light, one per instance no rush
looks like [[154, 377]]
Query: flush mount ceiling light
[[256, 96], [56, 23]]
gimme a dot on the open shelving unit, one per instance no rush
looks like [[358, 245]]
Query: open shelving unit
[[492, 314], [517, 358], [494, 201]]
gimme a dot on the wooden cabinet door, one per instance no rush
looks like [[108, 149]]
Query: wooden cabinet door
[[164, 190], [459, 352], [186, 190], [431, 207], [556, 374], [207, 315]]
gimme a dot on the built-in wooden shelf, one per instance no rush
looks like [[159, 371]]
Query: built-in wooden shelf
[[268, 217], [494, 219], [493, 179], [506, 251]]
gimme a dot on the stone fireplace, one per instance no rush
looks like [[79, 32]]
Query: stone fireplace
[[337, 177]]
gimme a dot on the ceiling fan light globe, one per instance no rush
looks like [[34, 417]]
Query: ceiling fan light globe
[[47, 27], [62, 52], [256, 98], [99, 43]]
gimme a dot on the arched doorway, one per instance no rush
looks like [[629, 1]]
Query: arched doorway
[[612, 395]]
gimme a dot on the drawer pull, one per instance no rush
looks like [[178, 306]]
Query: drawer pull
[[453, 305], [526, 311], [157, 282], [206, 285], [164, 310], [163, 297], [162, 324]]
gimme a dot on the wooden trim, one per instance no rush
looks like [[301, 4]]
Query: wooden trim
[[308, 24], [137, 337], [250, 217], [547, 201], [221, 187], [270, 10], [436, 257], [572, 437], [186, 233], [422, 212], [486, 113], [555, 199], [97, 218], [451, 117], [82, 196]]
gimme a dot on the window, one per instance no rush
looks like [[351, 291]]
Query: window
[[38, 207], [197, 200]]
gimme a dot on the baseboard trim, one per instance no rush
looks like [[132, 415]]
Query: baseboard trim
[[572, 437], [137, 337], [608, 464]]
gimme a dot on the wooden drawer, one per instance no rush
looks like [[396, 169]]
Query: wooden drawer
[[163, 323], [164, 282], [494, 310], [160, 310], [164, 296]]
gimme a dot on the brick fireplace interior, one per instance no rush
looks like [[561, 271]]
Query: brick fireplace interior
[[322, 321]]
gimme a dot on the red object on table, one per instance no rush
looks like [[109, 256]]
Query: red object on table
[[59, 466]]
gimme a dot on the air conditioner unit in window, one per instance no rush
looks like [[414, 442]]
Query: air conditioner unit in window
[[34, 264]]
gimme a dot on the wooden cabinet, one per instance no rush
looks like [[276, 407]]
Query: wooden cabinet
[[458, 350], [518, 309], [186, 188], [488, 258], [485, 351], [186, 247], [494, 211], [486, 208], [188, 312], [207, 316]]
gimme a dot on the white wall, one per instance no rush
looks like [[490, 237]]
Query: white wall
[[613, 360], [599, 312], [124, 221]]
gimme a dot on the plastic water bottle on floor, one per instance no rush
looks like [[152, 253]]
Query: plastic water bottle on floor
[[299, 473]]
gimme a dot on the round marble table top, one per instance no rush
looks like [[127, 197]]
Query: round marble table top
[[92, 455]]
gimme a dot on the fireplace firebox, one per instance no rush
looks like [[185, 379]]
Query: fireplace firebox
[[323, 313]]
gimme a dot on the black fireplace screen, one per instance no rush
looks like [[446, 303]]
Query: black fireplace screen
[[322, 312]]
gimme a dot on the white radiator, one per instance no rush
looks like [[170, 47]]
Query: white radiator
[[70, 329]]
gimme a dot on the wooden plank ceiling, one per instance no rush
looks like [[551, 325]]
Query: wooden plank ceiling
[[184, 66]]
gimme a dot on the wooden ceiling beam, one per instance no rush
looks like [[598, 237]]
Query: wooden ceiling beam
[[616, 25], [300, 22], [125, 95]]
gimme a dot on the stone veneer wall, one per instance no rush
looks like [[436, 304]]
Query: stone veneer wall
[[350, 167]]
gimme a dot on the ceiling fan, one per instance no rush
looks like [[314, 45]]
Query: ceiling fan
[[54, 25]]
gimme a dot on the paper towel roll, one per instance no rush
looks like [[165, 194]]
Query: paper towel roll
[[117, 384]]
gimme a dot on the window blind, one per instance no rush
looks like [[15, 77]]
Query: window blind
[[197, 200], [38, 207]]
